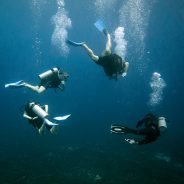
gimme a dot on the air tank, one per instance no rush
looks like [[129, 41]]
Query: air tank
[[162, 125], [39, 111], [47, 73]]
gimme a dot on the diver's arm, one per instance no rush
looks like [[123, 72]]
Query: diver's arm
[[38, 89], [125, 69], [29, 117], [62, 86], [26, 116], [46, 109]]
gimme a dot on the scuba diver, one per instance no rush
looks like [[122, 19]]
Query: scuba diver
[[113, 65], [37, 116], [53, 78], [153, 128]]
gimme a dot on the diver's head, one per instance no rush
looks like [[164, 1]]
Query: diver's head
[[55, 69], [156, 74], [29, 105], [162, 124], [63, 76]]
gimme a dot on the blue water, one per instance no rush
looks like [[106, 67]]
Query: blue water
[[84, 151]]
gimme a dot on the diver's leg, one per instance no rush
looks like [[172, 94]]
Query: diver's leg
[[38, 89], [108, 45], [41, 130], [90, 53], [119, 129], [54, 130], [144, 131]]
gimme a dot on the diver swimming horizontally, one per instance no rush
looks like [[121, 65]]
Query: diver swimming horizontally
[[37, 116], [153, 128], [114, 66], [53, 78]]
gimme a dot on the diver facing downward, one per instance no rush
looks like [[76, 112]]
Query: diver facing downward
[[113, 65], [37, 115]]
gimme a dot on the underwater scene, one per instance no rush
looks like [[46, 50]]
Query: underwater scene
[[92, 92]]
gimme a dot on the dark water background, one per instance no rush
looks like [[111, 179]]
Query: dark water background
[[84, 148]]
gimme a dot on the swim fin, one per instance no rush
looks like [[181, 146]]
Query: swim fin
[[70, 42], [60, 118], [17, 84], [99, 24], [118, 129], [50, 123]]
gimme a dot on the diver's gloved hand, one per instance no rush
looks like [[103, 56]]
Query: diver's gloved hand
[[124, 74], [131, 141], [35, 118]]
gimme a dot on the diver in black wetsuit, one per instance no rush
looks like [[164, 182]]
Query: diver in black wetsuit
[[153, 126], [113, 65]]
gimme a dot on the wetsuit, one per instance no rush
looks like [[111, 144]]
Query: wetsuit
[[151, 131], [112, 64]]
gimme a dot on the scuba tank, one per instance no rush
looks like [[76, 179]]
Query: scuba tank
[[39, 111], [41, 114], [162, 125], [47, 74]]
